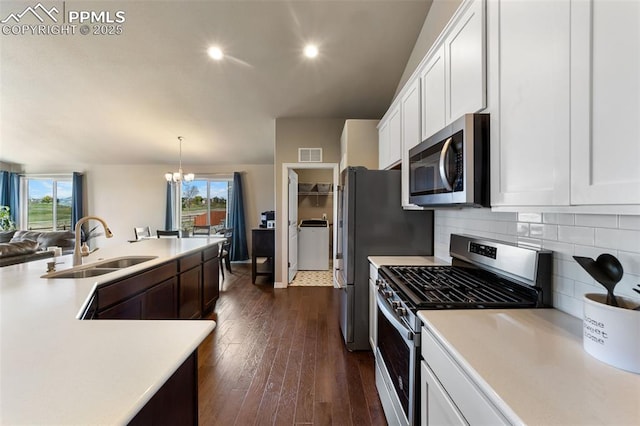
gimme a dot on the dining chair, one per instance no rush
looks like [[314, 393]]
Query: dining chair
[[201, 230], [225, 250], [142, 232], [168, 234]]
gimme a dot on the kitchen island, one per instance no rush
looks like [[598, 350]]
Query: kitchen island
[[57, 369], [520, 366]]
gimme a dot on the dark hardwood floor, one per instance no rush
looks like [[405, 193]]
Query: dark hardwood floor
[[276, 357]]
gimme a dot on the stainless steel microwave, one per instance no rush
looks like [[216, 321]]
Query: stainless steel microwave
[[451, 168]]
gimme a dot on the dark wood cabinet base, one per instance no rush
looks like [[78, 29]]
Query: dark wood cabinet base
[[176, 402], [185, 288]]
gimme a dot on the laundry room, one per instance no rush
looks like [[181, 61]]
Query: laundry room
[[315, 219]]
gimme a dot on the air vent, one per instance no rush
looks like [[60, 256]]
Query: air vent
[[309, 155]]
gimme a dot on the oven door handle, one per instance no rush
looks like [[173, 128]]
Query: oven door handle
[[405, 332]]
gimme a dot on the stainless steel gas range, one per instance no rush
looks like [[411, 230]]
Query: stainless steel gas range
[[483, 274]]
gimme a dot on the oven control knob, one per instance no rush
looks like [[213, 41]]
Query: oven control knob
[[395, 304], [381, 283], [401, 311], [387, 293]]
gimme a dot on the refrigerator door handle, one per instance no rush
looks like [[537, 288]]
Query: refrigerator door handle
[[337, 277]]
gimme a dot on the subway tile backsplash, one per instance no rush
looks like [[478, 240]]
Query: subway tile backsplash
[[566, 235]]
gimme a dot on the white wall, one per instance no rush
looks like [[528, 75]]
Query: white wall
[[126, 197], [291, 134], [9, 167], [135, 195], [565, 234]]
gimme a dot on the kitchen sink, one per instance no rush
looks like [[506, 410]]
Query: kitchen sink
[[123, 262], [83, 273], [100, 268]]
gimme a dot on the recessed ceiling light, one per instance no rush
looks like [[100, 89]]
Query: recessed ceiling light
[[310, 51], [215, 53]]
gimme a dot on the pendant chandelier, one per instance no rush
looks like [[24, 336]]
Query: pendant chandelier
[[179, 176]]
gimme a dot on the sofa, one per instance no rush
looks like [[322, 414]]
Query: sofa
[[25, 246]]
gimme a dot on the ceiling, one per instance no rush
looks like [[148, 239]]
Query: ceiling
[[124, 99]]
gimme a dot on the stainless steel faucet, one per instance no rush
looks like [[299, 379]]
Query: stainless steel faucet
[[77, 254]]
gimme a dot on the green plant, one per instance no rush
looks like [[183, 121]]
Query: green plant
[[6, 224], [86, 236]]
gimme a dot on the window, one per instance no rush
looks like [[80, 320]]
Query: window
[[47, 204], [205, 202]]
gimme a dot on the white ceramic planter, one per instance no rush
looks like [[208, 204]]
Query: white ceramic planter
[[612, 334]]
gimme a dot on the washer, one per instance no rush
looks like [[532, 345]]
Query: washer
[[313, 245]]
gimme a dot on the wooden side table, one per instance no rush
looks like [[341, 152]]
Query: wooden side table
[[262, 245]]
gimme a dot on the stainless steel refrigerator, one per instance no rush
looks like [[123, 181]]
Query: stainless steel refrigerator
[[372, 222]]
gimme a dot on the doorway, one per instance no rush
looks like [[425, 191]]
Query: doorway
[[314, 200]]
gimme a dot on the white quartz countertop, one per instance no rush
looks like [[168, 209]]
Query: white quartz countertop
[[379, 261], [530, 363], [57, 369]]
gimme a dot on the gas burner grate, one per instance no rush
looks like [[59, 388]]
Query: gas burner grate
[[458, 287]]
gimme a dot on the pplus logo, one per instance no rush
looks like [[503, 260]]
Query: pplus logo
[[38, 11], [42, 13], [58, 19]]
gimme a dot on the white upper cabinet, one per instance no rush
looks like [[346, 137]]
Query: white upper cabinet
[[453, 73], [605, 90], [529, 101], [433, 93], [564, 100], [395, 133], [411, 132], [390, 138], [561, 82], [464, 46], [449, 82], [383, 143]]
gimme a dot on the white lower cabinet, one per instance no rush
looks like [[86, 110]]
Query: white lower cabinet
[[436, 408], [449, 396], [373, 310]]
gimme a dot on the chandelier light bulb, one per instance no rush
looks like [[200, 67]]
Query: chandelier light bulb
[[179, 175]]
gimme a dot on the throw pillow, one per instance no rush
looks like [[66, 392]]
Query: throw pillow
[[20, 247], [5, 236]]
